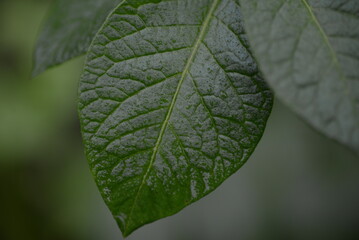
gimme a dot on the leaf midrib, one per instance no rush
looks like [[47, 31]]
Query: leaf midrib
[[322, 32], [173, 102], [334, 56]]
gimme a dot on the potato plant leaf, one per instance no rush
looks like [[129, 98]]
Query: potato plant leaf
[[308, 50], [69, 30], [171, 104]]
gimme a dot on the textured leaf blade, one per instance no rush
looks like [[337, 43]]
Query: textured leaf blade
[[171, 104], [309, 52], [69, 30]]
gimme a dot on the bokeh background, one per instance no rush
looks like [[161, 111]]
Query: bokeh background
[[297, 185]]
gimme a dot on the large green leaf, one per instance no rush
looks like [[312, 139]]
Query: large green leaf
[[308, 50], [171, 104], [69, 30]]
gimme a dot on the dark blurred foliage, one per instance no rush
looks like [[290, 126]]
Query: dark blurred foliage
[[297, 185]]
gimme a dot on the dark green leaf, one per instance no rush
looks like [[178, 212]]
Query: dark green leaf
[[69, 30], [171, 104], [308, 50]]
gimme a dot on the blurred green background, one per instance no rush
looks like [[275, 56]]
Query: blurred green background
[[297, 185]]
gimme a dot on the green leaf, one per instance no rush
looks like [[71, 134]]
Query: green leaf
[[69, 30], [308, 50], [171, 104]]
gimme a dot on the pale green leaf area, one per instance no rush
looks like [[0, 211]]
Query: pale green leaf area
[[69, 30], [308, 51], [171, 104]]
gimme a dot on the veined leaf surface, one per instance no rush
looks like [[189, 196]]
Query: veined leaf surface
[[308, 50], [69, 30], [171, 104]]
